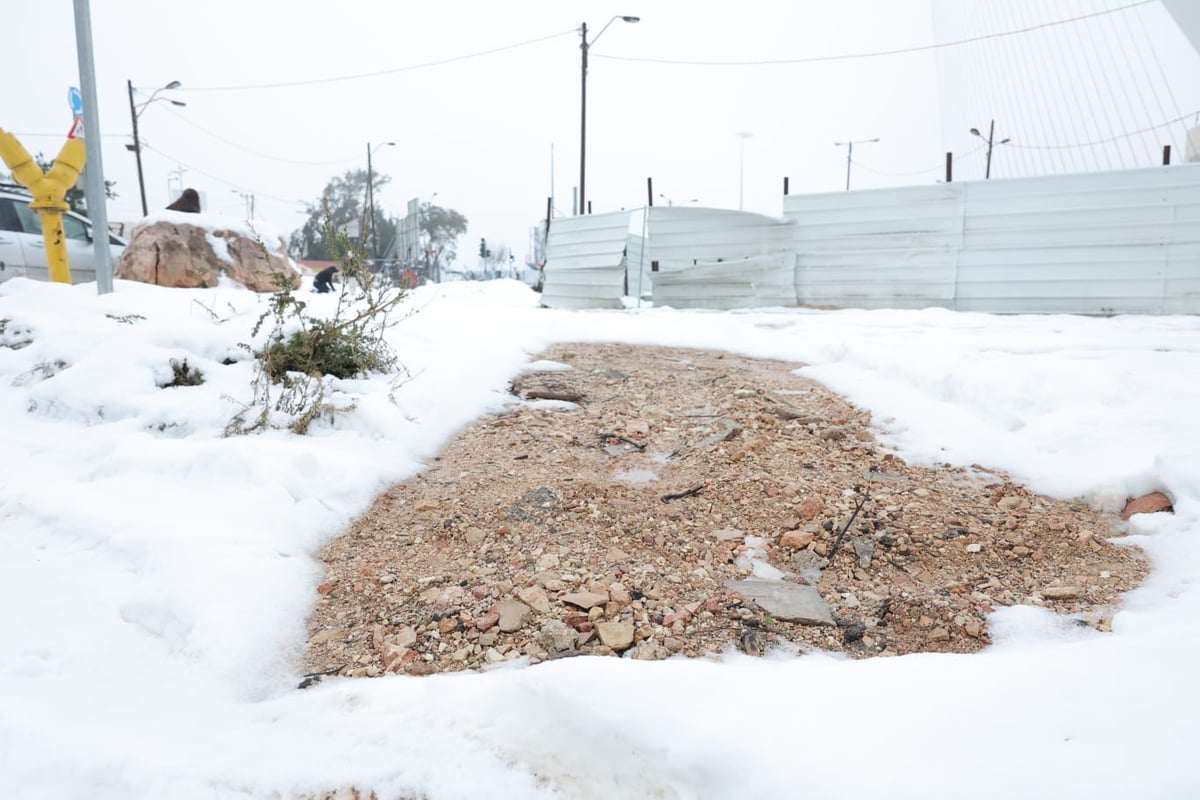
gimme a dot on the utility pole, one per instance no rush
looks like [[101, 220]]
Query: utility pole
[[137, 148]]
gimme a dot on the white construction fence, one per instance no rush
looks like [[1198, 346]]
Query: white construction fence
[[1090, 243]]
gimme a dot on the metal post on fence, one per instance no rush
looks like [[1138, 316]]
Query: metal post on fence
[[1166, 155], [649, 191], [949, 167], [785, 186]]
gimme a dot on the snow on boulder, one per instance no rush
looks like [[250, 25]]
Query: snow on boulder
[[173, 248]]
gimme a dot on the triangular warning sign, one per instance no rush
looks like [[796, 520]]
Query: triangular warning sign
[[76, 129]]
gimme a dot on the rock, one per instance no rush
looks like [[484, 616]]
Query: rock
[[616, 555], [807, 561], [637, 427], [585, 600], [405, 637], [939, 635], [796, 539], [330, 635], [556, 637], [535, 597], [973, 629], [513, 614], [809, 508], [853, 632], [1021, 551], [975, 547], [1009, 503], [487, 621], [864, 548], [729, 535], [1060, 592], [172, 250], [1147, 504], [617, 635], [475, 536], [791, 602]]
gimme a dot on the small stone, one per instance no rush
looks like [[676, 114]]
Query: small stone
[[330, 635], [405, 637], [585, 600], [853, 632], [475, 536], [973, 629], [791, 602], [1060, 592], [493, 656], [617, 635], [487, 621], [556, 637], [535, 597], [1147, 504], [864, 548], [922, 492], [728, 534], [616, 555], [1021, 551], [637, 427], [447, 625], [939, 635], [975, 547], [809, 508], [513, 614], [796, 539], [1009, 503], [487, 639]]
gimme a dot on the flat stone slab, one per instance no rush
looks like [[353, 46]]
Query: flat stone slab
[[791, 602]]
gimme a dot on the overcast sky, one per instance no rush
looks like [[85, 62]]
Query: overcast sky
[[487, 133]]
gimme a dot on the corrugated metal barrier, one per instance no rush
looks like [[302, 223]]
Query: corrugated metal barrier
[[1090, 243]]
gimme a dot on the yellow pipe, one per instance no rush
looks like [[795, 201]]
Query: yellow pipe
[[49, 193]]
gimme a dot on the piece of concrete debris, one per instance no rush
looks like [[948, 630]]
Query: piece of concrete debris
[[791, 602], [1148, 504]]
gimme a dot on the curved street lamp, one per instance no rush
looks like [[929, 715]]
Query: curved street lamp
[[136, 147], [584, 46]]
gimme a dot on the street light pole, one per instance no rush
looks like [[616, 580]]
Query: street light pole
[[743, 135], [584, 46], [850, 153], [136, 147], [987, 172], [371, 200]]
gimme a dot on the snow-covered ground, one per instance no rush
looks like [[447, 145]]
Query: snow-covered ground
[[156, 576]]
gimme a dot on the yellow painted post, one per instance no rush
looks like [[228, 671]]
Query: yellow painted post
[[49, 193]]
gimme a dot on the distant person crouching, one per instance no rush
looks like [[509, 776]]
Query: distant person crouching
[[323, 282]]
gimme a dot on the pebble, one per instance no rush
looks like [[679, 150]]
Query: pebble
[[513, 614], [617, 635], [1060, 592], [975, 547]]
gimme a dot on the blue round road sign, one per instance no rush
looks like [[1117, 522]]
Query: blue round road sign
[[76, 101]]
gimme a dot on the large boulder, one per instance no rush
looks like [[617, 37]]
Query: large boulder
[[195, 250]]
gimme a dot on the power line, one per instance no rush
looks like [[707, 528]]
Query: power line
[[231, 143], [876, 53], [218, 179], [376, 74], [1110, 140]]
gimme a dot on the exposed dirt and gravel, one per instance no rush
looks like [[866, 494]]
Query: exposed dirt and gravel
[[611, 526]]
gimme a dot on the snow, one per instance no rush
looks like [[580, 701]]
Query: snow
[[157, 575]]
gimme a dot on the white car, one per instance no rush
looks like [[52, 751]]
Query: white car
[[23, 248]]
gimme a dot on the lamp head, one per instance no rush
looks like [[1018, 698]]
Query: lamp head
[[1003, 141], [631, 19], [178, 103], [173, 85], [975, 132]]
